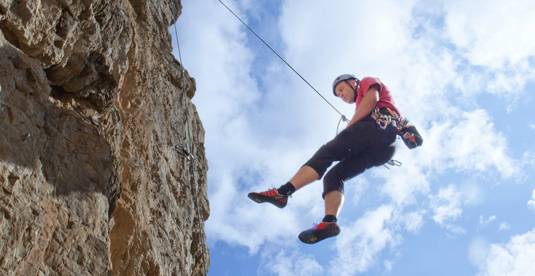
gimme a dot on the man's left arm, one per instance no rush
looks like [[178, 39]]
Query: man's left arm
[[370, 100]]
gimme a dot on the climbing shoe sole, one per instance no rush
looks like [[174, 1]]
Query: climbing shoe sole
[[314, 235], [279, 201]]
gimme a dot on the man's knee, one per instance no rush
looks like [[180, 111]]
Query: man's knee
[[321, 160], [332, 182]]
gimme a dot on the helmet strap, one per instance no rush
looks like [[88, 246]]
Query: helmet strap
[[354, 89]]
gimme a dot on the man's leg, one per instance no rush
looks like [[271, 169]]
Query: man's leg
[[305, 175], [334, 201], [333, 182], [279, 197], [349, 142], [333, 191]]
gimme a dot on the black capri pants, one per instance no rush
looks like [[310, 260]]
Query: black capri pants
[[358, 148]]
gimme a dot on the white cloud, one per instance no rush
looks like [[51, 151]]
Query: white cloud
[[249, 230], [484, 221], [468, 143], [403, 184], [355, 190], [360, 243], [515, 258], [446, 205], [478, 251], [290, 264], [475, 145], [504, 226], [486, 41], [497, 46], [531, 202], [412, 222]]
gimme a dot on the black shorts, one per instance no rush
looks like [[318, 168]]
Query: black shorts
[[359, 147]]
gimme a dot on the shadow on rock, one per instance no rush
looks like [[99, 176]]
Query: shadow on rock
[[35, 133]]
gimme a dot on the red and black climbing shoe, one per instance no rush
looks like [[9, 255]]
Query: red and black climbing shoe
[[319, 232], [272, 196]]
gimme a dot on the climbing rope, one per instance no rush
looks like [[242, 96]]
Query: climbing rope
[[338, 125], [343, 117], [178, 44], [176, 38]]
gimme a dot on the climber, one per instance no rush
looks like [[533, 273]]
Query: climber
[[367, 141]]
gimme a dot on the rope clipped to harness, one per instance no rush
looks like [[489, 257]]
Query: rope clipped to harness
[[342, 118]]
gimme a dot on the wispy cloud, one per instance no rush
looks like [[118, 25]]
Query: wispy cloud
[[487, 221], [446, 205], [290, 264], [531, 201], [412, 221], [504, 226], [478, 251], [484, 221]]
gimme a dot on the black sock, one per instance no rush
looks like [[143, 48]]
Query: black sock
[[287, 189], [329, 218]]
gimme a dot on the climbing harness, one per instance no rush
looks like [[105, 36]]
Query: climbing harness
[[343, 117], [385, 117]]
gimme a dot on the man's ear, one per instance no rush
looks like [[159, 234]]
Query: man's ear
[[354, 83]]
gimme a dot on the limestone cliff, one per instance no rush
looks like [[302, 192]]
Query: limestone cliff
[[102, 164]]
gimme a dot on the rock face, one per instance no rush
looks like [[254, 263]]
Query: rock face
[[102, 163]]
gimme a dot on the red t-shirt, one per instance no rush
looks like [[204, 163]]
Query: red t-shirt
[[385, 99]]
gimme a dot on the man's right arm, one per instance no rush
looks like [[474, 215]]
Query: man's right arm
[[370, 100]]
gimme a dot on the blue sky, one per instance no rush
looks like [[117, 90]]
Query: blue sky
[[462, 71]]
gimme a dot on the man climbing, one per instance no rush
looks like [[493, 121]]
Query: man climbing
[[367, 141]]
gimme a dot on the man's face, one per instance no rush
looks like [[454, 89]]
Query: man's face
[[345, 90]]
